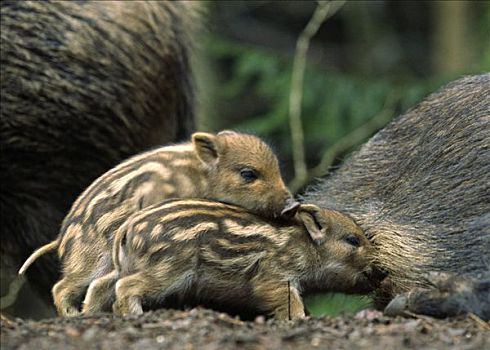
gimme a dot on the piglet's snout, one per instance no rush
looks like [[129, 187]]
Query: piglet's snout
[[374, 275]]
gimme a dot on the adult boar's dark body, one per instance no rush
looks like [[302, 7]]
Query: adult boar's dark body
[[420, 188], [84, 85]]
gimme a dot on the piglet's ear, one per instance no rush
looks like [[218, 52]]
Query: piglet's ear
[[206, 147], [315, 221]]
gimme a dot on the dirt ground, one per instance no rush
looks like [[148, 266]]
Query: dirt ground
[[206, 329]]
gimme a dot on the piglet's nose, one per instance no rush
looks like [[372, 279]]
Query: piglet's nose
[[290, 209], [375, 275]]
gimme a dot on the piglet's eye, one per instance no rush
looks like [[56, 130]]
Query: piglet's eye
[[353, 240], [248, 175]]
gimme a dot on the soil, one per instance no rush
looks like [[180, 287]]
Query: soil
[[205, 329]]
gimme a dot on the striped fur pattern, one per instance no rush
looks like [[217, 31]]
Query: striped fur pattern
[[211, 166], [210, 252]]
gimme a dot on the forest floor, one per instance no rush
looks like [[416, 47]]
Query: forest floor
[[206, 329]]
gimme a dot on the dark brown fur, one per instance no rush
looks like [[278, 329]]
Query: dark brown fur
[[448, 295], [84, 85]]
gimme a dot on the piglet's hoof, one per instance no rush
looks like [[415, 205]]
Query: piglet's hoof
[[70, 312]]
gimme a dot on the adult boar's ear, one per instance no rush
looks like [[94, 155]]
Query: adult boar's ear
[[315, 221], [206, 147]]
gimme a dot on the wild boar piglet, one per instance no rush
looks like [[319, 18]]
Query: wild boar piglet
[[230, 167], [214, 253]]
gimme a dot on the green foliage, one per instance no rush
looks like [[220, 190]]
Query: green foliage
[[334, 103], [484, 27], [335, 303]]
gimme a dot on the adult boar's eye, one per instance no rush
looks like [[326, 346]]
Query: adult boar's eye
[[353, 240], [248, 175]]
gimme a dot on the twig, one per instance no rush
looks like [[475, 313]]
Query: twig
[[7, 322], [322, 12], [428, 319], [351, 139], [479, 321], [357, 135], [228, 319]]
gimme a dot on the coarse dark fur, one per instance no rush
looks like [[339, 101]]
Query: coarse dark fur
[[84, 85], [448, 295], [420, 188]]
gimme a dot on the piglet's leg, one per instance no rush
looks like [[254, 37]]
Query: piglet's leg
[[129, 291], [284, 301], [152, 285], [67, 294], [100, 294]]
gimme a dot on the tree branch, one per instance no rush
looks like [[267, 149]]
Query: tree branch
[[356, 136], [350, 140], [323, 11]]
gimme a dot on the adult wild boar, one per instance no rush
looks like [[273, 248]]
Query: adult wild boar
[[84, 85], [420, 188]]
